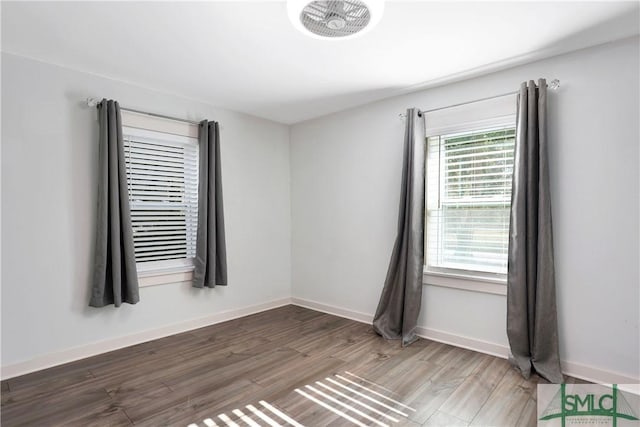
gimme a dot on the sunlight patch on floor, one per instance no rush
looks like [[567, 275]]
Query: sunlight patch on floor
[[347, 398]]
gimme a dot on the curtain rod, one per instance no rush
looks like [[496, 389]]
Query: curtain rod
[[553, 85], [93, 102]]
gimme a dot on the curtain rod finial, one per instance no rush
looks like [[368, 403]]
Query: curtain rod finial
[[554, 84], [92, 102], [403, 116]]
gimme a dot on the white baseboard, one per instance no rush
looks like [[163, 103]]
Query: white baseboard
[[576, 370], [330, 309], [84, 351], [427, 333], [596, 375], [573, 369], [462, 341]]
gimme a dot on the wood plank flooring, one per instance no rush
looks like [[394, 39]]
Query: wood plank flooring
[[287, 366]]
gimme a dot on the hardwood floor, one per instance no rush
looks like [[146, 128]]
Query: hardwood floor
[[311, 368]]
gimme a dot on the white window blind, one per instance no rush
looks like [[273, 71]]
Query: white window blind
[[469, 177], [162, 180]]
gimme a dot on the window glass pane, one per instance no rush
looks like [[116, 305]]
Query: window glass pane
[[468, 198], [162, 180]]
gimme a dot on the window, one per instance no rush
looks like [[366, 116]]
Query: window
[[468, 201], [162, 181], [468, 195]]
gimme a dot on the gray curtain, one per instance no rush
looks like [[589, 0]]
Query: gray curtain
[[211, 252], [532, 325], [397, 313], [115, 277]]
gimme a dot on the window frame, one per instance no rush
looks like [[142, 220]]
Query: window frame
[[160, 272], [468, 280]]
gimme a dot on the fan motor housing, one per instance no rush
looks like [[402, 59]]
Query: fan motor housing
[[334, 19]]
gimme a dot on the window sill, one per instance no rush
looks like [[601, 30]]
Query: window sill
[[165, 276], [468, 283]]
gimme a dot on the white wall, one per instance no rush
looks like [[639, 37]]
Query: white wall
[[49, 152], [345, 177]]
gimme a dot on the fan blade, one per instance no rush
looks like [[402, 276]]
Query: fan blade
[[353, 27], [314, 14], [357, 11], [317, 6], [336, 6]]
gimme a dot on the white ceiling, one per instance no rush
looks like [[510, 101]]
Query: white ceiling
[[246, 56]]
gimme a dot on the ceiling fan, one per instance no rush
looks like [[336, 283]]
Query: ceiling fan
[[335, 19]]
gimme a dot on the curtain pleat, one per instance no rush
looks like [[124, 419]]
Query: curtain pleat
[[532, 326], [211, 254], [115, 277], [397, 313]]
